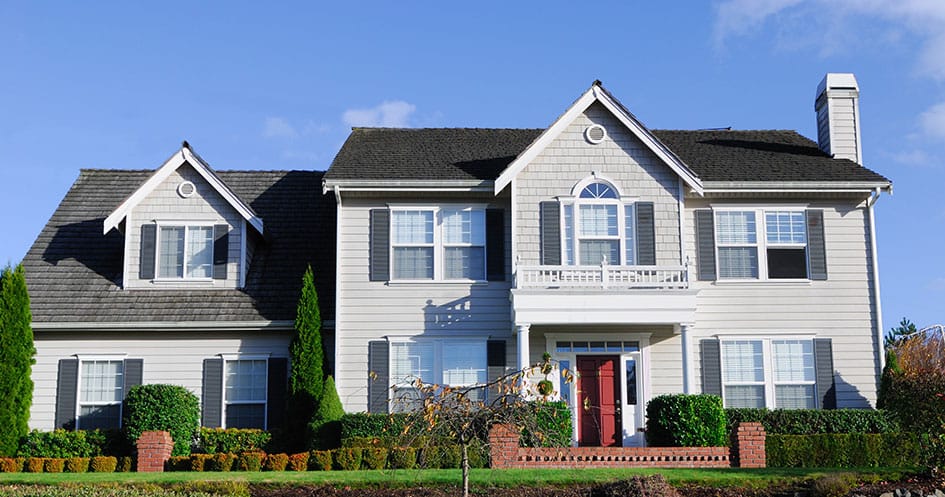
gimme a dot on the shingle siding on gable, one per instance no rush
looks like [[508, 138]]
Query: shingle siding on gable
[[621, 158], [164, 204]]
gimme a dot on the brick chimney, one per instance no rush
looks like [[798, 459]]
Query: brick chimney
[[838, 116]]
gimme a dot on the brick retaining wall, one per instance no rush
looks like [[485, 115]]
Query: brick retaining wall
[[154, 449]]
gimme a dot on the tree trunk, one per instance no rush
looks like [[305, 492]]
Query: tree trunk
[[465, 466]]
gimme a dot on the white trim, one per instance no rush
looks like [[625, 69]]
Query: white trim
[[439, 244], [368, 185], [243, 263], [761, 244], [875, 270], [102, 357], [597, 94], [590, 129], [769, 382], [184, 155], [683, 258], [78, 386], [186, 225], [794, 186], [184, 185], [513, 231], [337, 322], [265, 403], [170, 325]]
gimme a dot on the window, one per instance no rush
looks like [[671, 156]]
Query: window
[[185, 252], [455, 363], [245, 382], [780, 254], [438, 244], [772, 373], [101, 390], [598, 227]]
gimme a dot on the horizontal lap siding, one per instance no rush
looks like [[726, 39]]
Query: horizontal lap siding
[[175, 358], [621, 158], [372, 310], [840, 308]]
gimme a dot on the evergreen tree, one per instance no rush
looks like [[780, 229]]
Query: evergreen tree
[[324, 426], [896, 335], [307, 379], [16, 359]]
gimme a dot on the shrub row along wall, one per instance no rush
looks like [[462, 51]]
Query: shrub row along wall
[[848, 450], [506, 453]]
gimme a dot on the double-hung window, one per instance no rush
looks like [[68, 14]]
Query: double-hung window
[[453, 363], [438, 243], [101, 387], [598, 227], [185, 252], [761, 244], [772, 373], [245, 383]]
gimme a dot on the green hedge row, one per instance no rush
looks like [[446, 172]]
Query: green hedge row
[[846, 450], [347, 459], [815, 421], [232, 440], [97, 464], [69, 443], [683, 420]]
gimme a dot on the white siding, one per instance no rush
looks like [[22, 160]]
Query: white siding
[[169, 357]]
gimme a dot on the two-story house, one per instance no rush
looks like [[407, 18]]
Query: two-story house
[[740, 263]]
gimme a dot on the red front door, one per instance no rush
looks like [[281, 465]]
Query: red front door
[[598, 401]]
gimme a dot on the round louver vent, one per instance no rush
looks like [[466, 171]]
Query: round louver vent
[[595, 133], [186, 189]]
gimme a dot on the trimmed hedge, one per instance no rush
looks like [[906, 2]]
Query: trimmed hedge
[[366, 425], [233, 440], [846, 450], [275, 462], [103, 464], [815, 421], [686, 421], [68, 443], [320, 460], [298, 462], [77, 465], [170, 408], [250, 461]]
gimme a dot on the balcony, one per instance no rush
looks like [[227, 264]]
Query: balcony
[[603, 294]]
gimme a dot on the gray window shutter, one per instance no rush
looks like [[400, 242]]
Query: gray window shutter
[[550, 219], [275, 401], [380, 245], [646, 233], [823, 362], [67, 383], [212, 406], [816, 249], [379, 381], [134, 371], [705, 245], [711, 367], [146, 254], [495, 245], [221, 250], [495, 359]]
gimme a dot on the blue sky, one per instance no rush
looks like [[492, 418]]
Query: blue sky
[[119, 85]]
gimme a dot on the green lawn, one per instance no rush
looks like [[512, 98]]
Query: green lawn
[[479, 477]]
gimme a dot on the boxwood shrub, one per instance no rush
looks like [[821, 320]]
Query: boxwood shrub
[[250, 461], [320, 460], [298, 462], [103, 464], [815, 421], [846, 450], [403, 458], [686, 421], [170, 408], [366, 425], [77, 465], [68, 443]]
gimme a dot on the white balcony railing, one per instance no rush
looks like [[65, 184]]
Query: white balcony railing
[[603, 276]]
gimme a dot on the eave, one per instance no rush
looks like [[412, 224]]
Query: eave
[[366, 185]]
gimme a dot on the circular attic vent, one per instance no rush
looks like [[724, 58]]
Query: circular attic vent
[[186, 189], [595, 133]]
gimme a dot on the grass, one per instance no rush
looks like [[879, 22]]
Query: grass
[[755, 478]]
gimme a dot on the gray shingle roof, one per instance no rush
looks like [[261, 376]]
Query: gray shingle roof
[[482, 154], [73, 271]]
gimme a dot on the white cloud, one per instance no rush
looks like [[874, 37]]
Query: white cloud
[[932, 121], [938, 285], [914, 157], [394, 114], [740, 17], [278, 127]]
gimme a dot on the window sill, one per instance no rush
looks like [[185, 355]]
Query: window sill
[[769, 282], [183, 282], [437, 282]]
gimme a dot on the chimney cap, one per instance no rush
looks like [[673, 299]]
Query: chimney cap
[[837, 81]]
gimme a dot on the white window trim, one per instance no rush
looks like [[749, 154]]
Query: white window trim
[[767, 365], [439, 246], [575, 201], [187, 225], [223, 402], [78, 388], [761, 242], [437, 364]]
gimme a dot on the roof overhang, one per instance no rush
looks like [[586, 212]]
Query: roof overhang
[[360, 185], [596, 93], [166, 326], [183, 156], [795, 186]]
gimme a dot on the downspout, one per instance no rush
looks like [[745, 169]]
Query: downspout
[[870, 202], [337, 190]]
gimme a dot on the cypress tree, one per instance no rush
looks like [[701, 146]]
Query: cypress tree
[[16, 359], [325, 425], [307, 379]]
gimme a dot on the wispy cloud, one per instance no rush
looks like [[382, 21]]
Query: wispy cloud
[[740, 17], [932, 121], [278, 127], [916, 157], [394, 114], [938, 285]]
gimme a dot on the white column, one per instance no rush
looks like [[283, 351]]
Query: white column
[[685, 330], [524, 360]]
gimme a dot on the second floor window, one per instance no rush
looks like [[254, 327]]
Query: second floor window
[[185, 252], [779, 253], [441, 243], [599, 227]]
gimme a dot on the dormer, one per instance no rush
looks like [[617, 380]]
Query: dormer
[[185, 228]]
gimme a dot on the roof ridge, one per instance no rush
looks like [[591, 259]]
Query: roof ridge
[[452, 128]]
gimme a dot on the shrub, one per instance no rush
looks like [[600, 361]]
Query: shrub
[[374, 458], [440, 457], [320, 460], [35, 464], [232, 440], [850, 450], [325, 426], [686, 421], [16, 359], [347, 459], [125, 464], [552, 422], [77, 465], [54, 465], [220, 462], [836, 485], [814, 421], [275, 462], [298, 462], [250, 461], [170, 408], [11, 465], [306, 381], [366, 442], [103, 464], [403, 458], [478, 454], [58, 443], [198, 462], [366, 425], [178, 463]]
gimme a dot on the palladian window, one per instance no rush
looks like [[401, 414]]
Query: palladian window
[[598, 227]]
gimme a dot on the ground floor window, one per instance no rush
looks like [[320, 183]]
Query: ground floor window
[[101, 388], [447, 362], [245, 382], [772, 373]]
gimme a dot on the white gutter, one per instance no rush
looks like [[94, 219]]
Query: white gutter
[[338, 225], [167, 326], [870, 202], [406, 183]]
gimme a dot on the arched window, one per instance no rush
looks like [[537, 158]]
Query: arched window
[[598, 227]]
